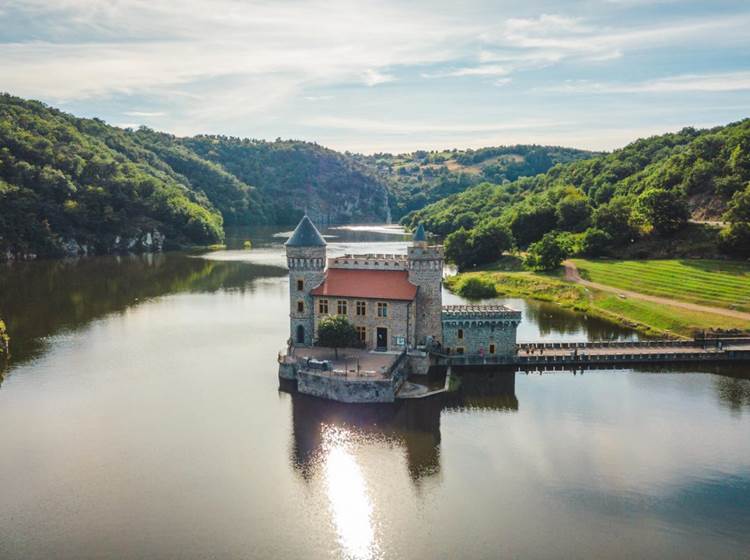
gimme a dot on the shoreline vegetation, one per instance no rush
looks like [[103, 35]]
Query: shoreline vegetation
[[708, 282], [4, 344]]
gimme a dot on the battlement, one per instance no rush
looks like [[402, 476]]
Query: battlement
[[370, 261], [464, 312]]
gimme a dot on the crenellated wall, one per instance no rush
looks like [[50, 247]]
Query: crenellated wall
[[370, 262], [478, 329]]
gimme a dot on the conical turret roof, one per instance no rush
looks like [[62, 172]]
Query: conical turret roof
[[420, 234], [306, 235]]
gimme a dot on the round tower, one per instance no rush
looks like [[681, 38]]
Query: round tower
[[306, 258], [426, 272]]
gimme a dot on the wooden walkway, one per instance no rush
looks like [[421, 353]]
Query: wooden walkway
[[579, 354]]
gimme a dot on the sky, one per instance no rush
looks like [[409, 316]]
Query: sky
[[388, 75]]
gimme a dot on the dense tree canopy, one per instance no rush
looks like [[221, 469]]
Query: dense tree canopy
[[70, 185], [419, 178], [647, 190]]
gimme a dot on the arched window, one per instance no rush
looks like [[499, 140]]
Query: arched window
[[300, 306], [300, 334]]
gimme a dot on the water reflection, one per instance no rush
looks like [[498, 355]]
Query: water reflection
[[350, 503], [411, 425], [486, 390], [41, 299], [553, 320]]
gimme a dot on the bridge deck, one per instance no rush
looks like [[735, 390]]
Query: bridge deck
[[604, 353]]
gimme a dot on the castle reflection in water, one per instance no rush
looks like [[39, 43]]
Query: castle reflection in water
[[413, 425]]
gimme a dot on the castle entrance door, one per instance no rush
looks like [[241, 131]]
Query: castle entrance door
[[382, 339]]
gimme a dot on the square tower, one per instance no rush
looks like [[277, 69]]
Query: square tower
[[426, 272]]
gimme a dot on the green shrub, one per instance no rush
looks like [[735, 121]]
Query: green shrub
[[337, 332], [475, 287], [4, 341], [546, 254]]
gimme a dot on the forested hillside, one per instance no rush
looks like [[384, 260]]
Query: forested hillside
[[71, 186], [641, 196], [420, 178], [76, 186], [293, 176]]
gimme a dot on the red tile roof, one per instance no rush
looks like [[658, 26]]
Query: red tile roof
[[372, 284]]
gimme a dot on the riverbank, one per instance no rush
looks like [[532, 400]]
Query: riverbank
[[649, 318], [4, 343]]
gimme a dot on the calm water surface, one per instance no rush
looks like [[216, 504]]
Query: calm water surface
[[141, 418]]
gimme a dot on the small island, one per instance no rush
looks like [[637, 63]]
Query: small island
[[393, 304]]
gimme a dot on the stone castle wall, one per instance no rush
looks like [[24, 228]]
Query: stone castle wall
[[426, 272], [306, 264], [348, 391], [475, 328], [399, 322]]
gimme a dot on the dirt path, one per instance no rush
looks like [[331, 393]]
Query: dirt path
[[572, 275]]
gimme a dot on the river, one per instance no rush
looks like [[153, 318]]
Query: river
[[141, 418]]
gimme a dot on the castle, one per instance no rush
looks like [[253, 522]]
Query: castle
[[393, 301]]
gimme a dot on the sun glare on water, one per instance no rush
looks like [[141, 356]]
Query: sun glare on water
[[350, 503]]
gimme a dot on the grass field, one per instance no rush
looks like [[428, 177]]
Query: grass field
[[648, 317], [707, 282]]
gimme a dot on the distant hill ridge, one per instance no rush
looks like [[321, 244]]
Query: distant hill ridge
[[646, 191], [77, 186]]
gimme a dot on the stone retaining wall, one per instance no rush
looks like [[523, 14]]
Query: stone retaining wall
[[346, 390]]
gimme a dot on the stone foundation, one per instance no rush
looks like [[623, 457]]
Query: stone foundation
[[348, 390]]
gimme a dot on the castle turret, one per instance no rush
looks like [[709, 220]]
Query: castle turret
[[426, 272], [306, 258]]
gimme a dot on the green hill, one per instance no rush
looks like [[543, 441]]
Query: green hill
[[296, 176], [73, 186], [638, 198], [419, 178]]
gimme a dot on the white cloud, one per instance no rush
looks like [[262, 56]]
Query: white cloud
[[540, 41], [373, 77], [721, 82], [483, 70], [406, 127], [144, 113]]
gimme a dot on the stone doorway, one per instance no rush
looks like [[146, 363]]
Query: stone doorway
[[381, 339]]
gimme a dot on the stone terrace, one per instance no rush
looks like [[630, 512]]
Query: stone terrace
[[372, 365]]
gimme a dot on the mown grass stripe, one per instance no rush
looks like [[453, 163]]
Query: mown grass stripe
[[715, 283]]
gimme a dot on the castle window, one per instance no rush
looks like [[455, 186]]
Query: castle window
[[341, 307], [492, 348], [362, 334], [382, 309], [300, 306], [300, 285], [460, 333], [323, 307], [361, 308], [459, 350]]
